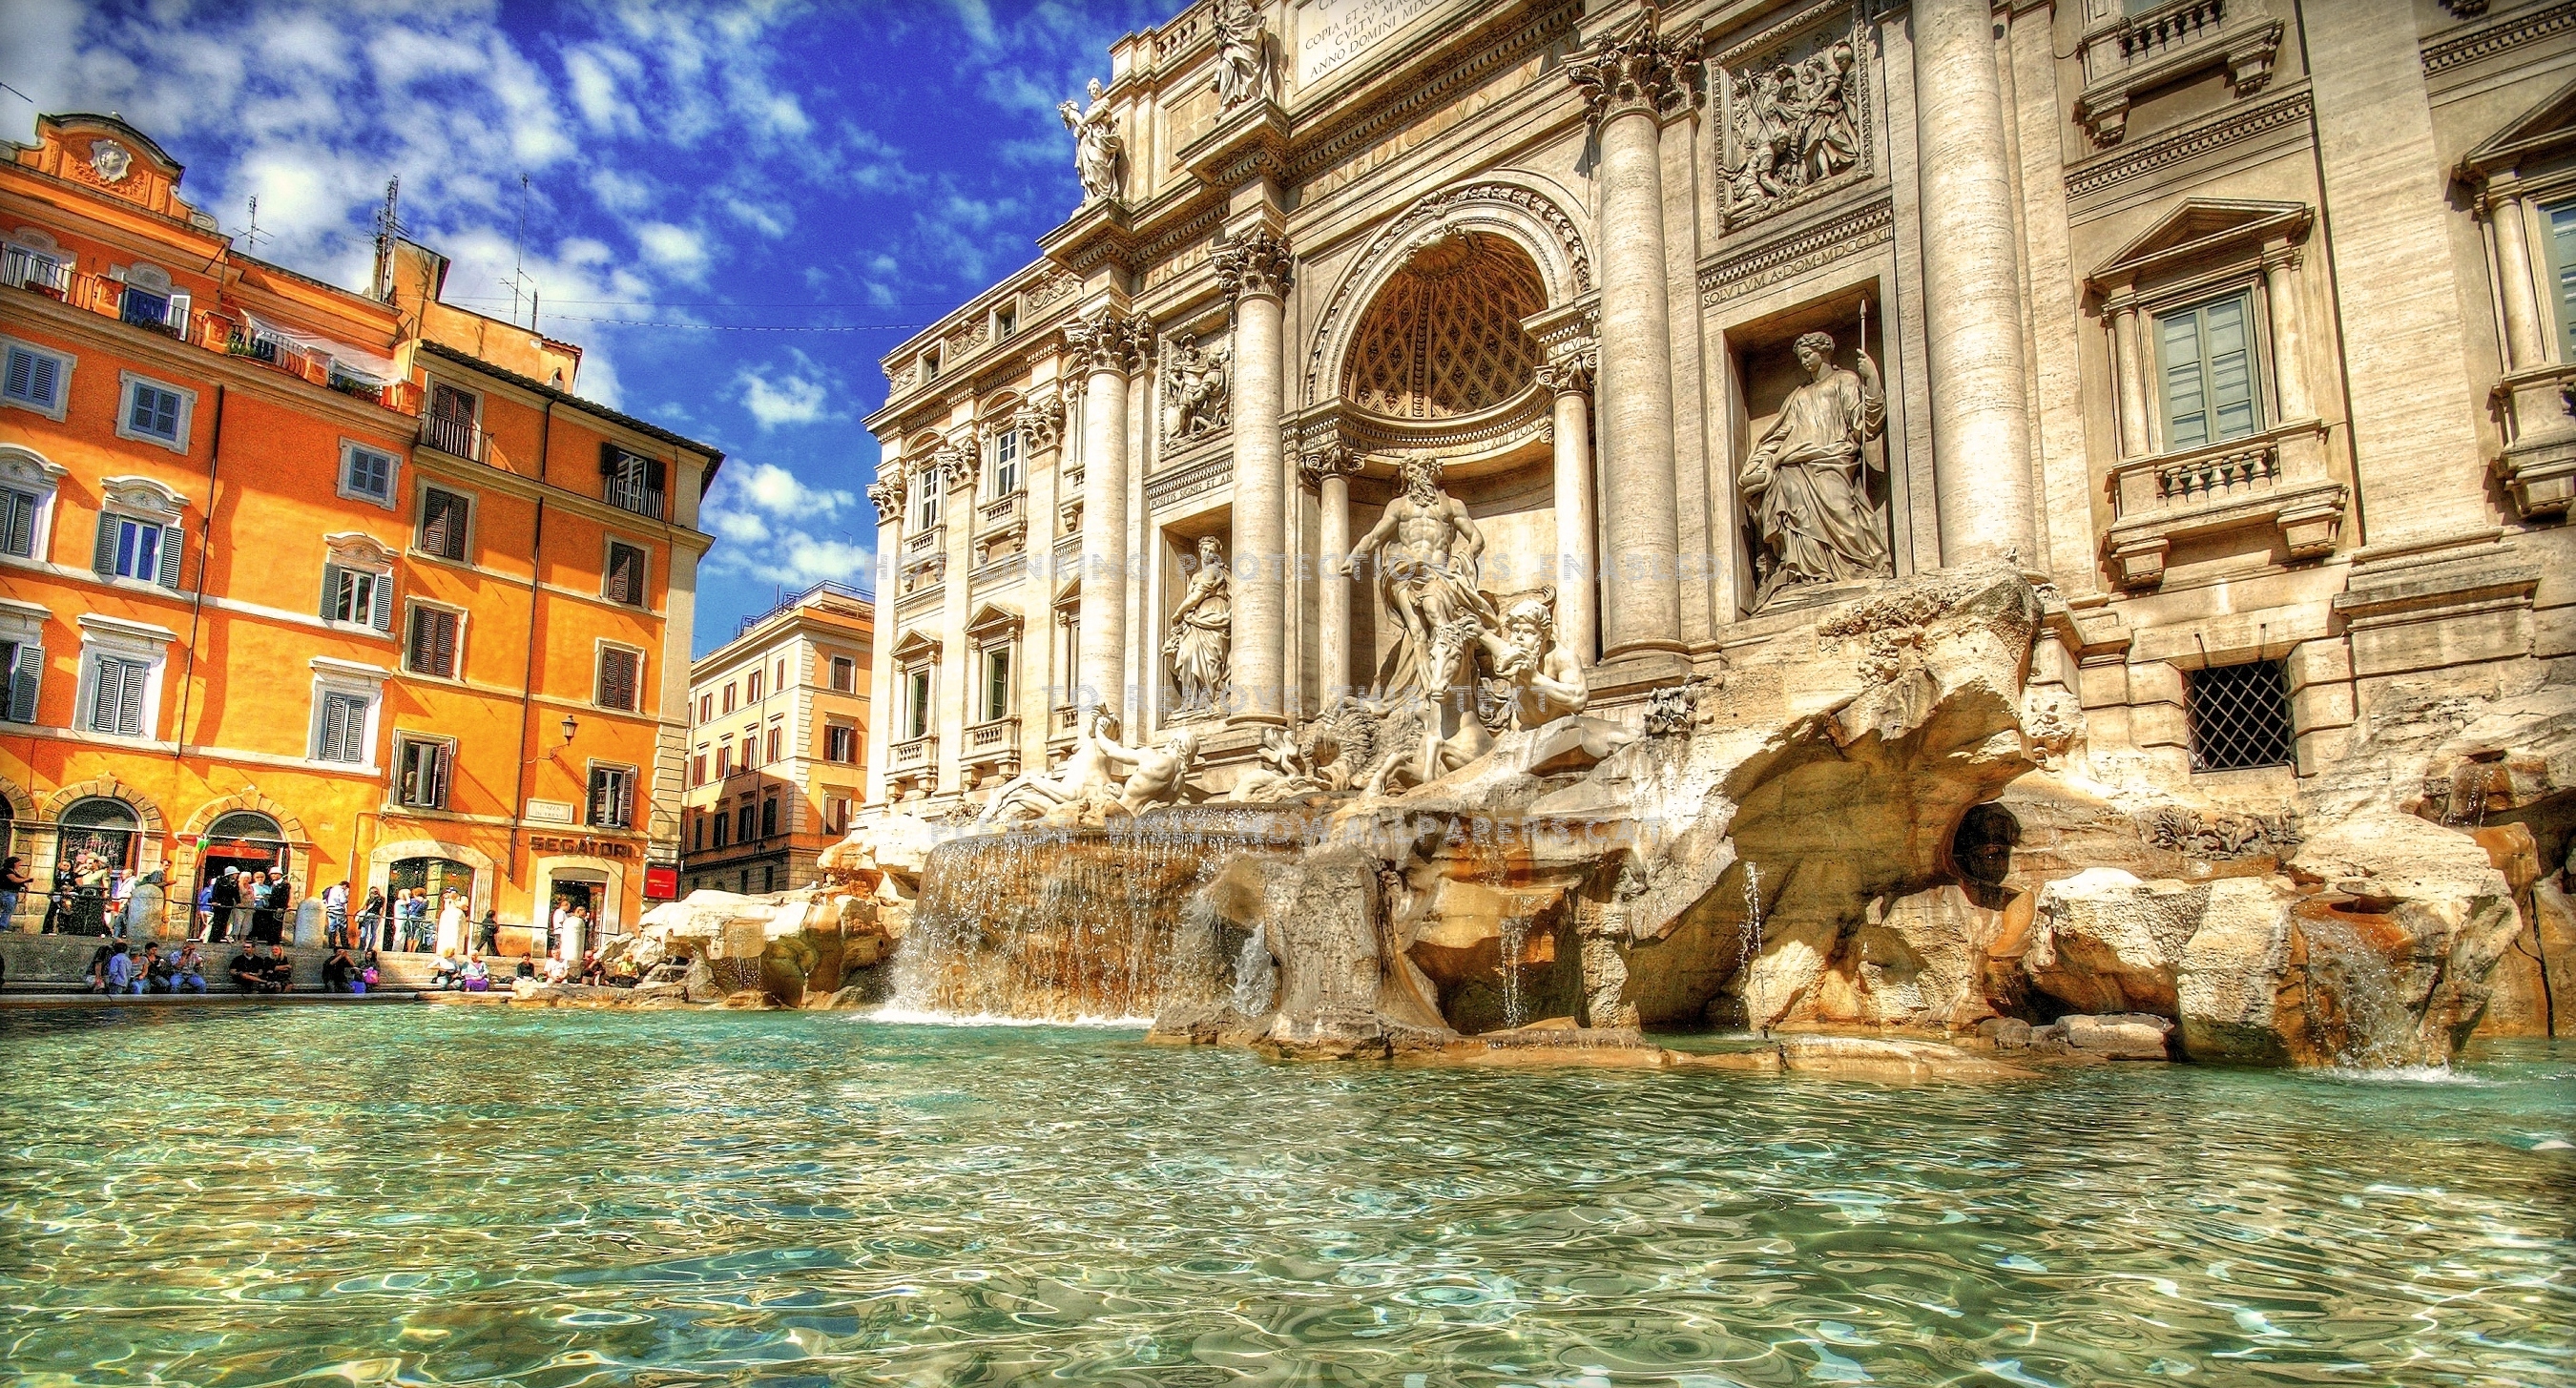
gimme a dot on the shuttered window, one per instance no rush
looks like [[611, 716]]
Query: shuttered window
[[444, 517], [23, 662], [845, 674], [360, 597], [344, 728], [18, 522], [364, 472], [612, 797], [769, 818], [2562, 258], [136, 549], [777, 743], [34, 378], [617, 678], [420, 779], [153, 412], [840, 743], [432, 648], [2206, 357], [116, 696], [626, 568]]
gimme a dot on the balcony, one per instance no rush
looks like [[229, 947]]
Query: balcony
[[925, 542], [2275, 481], [999, 512], [2134, 54], [632, 494], [455, 437], [26, 269], [912, 752]]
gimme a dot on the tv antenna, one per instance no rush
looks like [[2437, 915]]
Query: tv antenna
[[389, 226], [519, 279], [251, 238]]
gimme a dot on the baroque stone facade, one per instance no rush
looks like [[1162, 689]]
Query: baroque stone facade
[[2252, 353]]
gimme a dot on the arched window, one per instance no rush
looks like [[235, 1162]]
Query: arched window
[[100, 825], [245, 824]]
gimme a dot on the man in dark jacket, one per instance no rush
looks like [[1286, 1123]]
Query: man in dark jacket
[[225, 896]]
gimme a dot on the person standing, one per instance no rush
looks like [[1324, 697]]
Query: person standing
[[375, 927], [89, 894], [335, 915], [487, 932], [416, 920], [451, 924], [14, 882], [223, 899]]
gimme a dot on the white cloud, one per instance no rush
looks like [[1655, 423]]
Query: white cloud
[[675, 248], [774, 527], [803, 395]]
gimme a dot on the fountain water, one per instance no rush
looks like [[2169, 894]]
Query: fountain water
[[2356, 1011], [1256, 979], [1515, 938]]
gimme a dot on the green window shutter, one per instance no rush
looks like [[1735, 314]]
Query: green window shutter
[[332, 578], [103, 557], [17, 523], [26, 681], [382, 615], [169, 576]]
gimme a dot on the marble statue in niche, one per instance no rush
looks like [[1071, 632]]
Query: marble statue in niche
[[1245, 71], [1096, 145], [1792, 125], [1428, 555], [1202, 628], [1806, 484], [1196, 381]]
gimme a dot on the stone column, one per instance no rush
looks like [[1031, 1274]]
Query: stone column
[[1577, 559], [954, 685], [1971, 279], [1631, 79], [1255, 270], [1329, 472], [887, 494], [2132, 370], [1105, 348], [2522, 331], [2289, 338]]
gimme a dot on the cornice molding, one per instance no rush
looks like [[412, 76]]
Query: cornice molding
[[2233, 126]]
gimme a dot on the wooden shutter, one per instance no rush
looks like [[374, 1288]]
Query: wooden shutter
[[382, 615], [26, 680], [617, 679], [22, 375], [344, 723], [442, 523], [17, 522], [103, 555], [610, 455], [332, 577], [116, 705], [433, 642], [169, 577]]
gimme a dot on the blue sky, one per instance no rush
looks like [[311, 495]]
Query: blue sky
[[693, 168]]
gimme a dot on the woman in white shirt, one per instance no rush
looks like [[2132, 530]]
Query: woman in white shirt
[[451, 925]]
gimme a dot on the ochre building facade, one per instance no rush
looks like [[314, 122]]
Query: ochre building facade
[[2246, 324], [346, 586]]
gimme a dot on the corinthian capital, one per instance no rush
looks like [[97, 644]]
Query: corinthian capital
[[1571, 373], [1331, 460], [1258, 262], [1108, 341], [1040, 423], [1636, 69], [886, 494]]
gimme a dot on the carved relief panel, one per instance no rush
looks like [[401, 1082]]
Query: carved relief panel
[[1794, 115]]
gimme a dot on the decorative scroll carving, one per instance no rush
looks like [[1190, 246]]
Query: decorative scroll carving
[[1040, 423], [1572, 373], [1197, 388], [1257, 262], [1108, 341], [1796, 115], [1096, 144], [2216, 837], [1330, 460], [1636, 69]]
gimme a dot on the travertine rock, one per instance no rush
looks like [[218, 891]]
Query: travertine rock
[[2232, 971], [2103, 941], [2121, 1036]]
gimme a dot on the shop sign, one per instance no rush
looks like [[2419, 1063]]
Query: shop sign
[[592, 848], [661, 883]]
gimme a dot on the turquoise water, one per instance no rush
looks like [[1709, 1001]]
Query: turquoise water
[[436, 1195]]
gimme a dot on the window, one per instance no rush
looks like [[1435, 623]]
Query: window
[[2562, 264], [1006, 462], [18, 522], [706, 707], [449, 424], [698, 769], [2239, 716], [153, 306], [721, 824], [742, 822], [116, 693], [724, 760], [631, 483], [35, 267], [155, 413], [930, 366], [36, 379], [776, 736], [750, 749], [432, 648], [360, 597], [367, 474], [781, 681], [845, 674], [841, 743], [728, 700], [1006, 321], [769, 817], [620, 681], [445, 517], [836, 814], [925, 499], [341, 731], [697, 832], [996, 693], [2205, 359], [752, 687], [420, 772], [23, 664], [626, 569], [145, 551], [916, 703], [612, 797]]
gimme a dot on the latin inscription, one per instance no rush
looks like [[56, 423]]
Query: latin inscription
[[1333, 32]]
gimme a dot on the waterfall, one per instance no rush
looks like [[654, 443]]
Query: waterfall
[[2355, 1012], [1515, 1004], [1748, 946], [1256, 980], [1071, 924]]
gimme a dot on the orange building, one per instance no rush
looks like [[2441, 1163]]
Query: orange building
[[778, 742], [344, 585]]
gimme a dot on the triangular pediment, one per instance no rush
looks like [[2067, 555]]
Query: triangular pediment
[[2198, 230], [990, 621], [915, 645], [2549, 126]]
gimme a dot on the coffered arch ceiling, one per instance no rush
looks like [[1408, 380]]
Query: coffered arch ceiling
[[1443, 337]]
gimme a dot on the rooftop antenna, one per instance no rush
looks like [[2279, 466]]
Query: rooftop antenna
[[519, 260], [388, 227], [250, 239]]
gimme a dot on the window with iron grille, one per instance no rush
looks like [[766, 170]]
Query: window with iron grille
[[612, 797], [2240, 716]]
